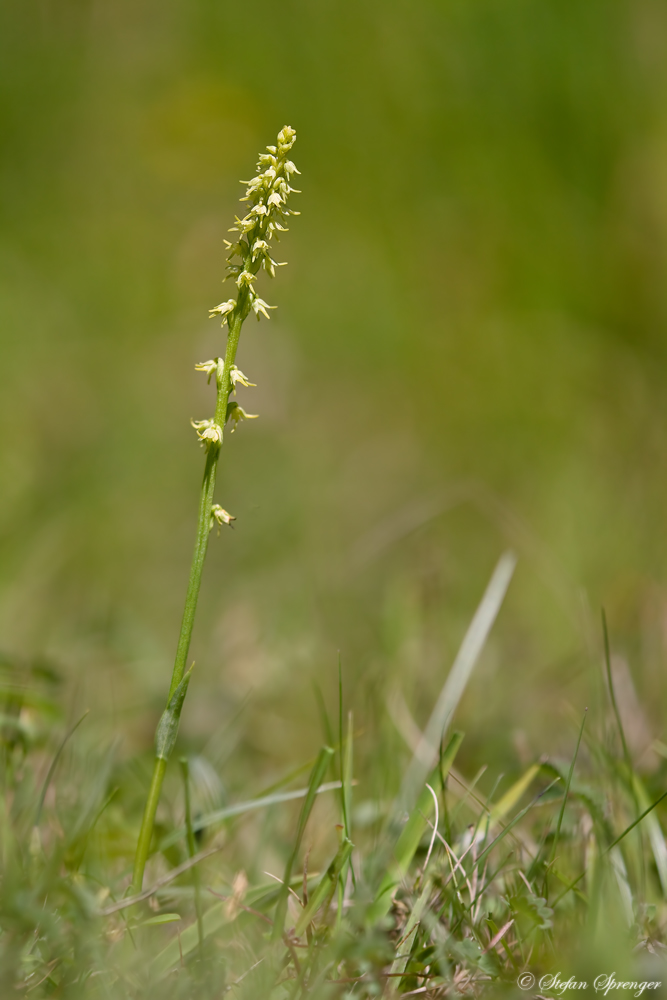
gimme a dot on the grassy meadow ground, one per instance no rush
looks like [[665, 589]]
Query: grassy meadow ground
[[468, 358]]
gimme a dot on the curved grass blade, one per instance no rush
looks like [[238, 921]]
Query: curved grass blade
[[326, 887], [627, 830], [239, 808], [400, 963], [474, 640], [411, 834], [655, 835], [54, 764], [513, 795], [319, 770], [567, 789], [192, 850]]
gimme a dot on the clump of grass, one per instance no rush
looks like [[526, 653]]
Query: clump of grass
[[553, 871]]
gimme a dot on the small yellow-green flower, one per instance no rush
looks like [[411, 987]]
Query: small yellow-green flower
[[220, 516], [237, 375], [260, 306], [236, 413], [208, 367], [223, 309], [208, 432]]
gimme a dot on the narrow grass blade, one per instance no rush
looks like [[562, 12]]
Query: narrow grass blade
[[511, 797], [342, 749], [627, 830], [324, 715], [510, 826], [239, 808], [215, 918], [169, 958], [123, 904], [612, 693], [629, 778], [567, 788], [347, 779], [192, 850], [474, 640], [636, 822], [54, 764], [319, 770], [400, 963], [625, 892], [655, 835], [412, 833], [326, 887], [161, 918]]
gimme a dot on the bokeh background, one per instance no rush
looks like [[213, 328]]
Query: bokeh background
[[468, 356]]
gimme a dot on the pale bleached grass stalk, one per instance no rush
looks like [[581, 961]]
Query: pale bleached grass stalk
[[267, 194], [192, 850]]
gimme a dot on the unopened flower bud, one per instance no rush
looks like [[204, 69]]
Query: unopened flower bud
[[286, 138], [245, 278]]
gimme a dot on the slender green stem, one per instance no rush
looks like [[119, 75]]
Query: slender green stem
[[206, 499], [224, 387], [146, 833]]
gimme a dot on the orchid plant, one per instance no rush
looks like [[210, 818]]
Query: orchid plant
[[267, 196]]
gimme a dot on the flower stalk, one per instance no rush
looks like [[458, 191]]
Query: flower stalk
[[268, 193]]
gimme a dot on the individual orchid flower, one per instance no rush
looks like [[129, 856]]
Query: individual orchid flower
[[245, 278], [220, 516], [223, 310], [236, 375], [208, 367], [260, 306], [236, 413], [208, 432]]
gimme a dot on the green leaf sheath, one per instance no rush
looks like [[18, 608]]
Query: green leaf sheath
[[167, 727]]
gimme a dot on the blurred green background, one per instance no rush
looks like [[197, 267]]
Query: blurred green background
[[468, 355]]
